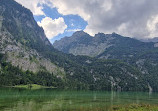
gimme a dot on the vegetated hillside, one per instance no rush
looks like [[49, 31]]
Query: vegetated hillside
[[141, 55], [28, 57]]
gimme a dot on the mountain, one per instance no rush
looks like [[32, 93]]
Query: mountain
[[154, 40], [101, 45], [107, 46], [141, 55], [21, 43], [21, 36], [27, 57], [82, 43]]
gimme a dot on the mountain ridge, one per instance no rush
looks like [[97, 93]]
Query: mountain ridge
[[97, 45]]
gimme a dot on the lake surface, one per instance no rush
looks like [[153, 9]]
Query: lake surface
[[54, 100]]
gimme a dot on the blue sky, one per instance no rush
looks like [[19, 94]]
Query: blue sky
[[73, 22], [60, 18]]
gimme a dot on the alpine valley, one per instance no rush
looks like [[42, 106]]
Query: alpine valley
[[102, 62]]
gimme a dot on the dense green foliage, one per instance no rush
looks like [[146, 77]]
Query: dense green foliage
[[136, 107], [82, 77]]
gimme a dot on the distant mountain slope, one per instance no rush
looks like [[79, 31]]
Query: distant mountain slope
[[155, 39], [102, 45], [83, 44]]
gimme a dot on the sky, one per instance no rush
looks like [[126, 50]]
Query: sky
[[60, 18]]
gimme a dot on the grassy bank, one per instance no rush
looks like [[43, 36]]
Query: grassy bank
[[31, 86], [136, 107]]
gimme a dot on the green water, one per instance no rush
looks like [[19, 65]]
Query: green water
[[55, 100]]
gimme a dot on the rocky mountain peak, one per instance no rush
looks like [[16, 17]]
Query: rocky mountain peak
[[115, 35], [20, 22], [99, 35], [80, 34]]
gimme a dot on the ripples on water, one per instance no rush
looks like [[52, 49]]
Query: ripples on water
[[55, 100]]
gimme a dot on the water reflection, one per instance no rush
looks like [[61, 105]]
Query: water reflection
[[55, 100]]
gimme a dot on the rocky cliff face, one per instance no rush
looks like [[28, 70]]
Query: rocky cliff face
[[80, 43], [107, 46], [21, 39]]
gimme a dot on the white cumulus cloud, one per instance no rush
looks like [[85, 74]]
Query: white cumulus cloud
[[73, 30], [53, 27], [36, 6], [136, 18], [126, 17], [152, 26]]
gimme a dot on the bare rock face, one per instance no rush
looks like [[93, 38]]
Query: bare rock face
[[25, 59], [156, 45], [1, 19], [81, 43], [89, 50]]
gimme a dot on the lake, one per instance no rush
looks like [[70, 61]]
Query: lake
[[12, 99]]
